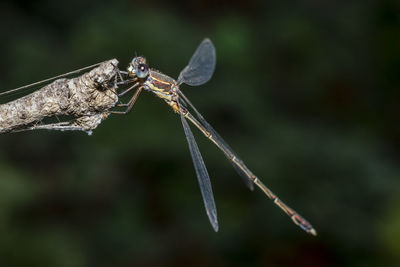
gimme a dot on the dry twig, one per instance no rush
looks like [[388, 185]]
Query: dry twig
[[86, 98]]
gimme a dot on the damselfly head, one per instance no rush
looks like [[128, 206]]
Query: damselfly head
[[138, 67]]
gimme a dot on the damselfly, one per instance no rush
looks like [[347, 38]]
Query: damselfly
[[199, 70]]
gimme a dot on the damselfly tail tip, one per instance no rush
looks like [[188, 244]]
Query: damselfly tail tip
[[313, 232], [306, 226]]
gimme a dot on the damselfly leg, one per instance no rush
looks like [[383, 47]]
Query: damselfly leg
[[129, 89], [130, 104]]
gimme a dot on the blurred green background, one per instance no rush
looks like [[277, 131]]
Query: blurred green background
[[306, 93]]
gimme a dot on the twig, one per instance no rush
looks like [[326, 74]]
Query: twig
[[87, 98]]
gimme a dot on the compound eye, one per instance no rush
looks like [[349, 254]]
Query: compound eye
[[142, 71]]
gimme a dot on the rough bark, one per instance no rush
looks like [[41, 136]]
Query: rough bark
[[87, 98]]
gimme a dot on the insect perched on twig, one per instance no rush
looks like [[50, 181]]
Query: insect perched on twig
[[199, 70]]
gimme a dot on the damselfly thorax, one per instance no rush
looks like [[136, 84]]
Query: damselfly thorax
[[161, 85], [156, 82]]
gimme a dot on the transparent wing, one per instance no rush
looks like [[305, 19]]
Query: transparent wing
[[25, 87], [202, 175], [201, 66], [221, 144]]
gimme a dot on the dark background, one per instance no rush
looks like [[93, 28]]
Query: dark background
[[306, 92]]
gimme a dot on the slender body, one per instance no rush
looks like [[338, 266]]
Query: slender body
[[198, 71]]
